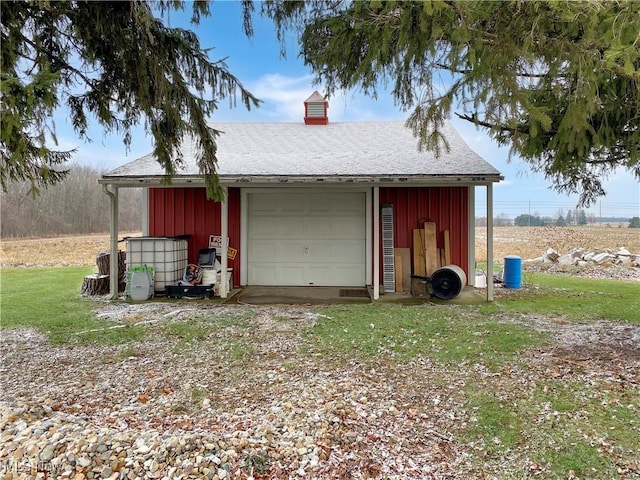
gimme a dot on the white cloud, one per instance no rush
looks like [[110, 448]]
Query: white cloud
[[283, 96], [283, 99]]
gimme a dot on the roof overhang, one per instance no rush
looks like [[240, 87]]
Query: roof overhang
[[159, 181]]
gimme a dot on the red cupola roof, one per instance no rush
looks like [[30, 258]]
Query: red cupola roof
[[315, 110]]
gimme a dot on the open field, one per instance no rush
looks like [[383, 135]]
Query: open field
[[526, 242], [57, 251], [531, 242]]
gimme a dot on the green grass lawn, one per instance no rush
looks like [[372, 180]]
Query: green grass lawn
[[49, 300], [564, 426], [579, 299], [448, 334]]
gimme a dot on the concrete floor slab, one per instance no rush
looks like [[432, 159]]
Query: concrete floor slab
[[257, 295]]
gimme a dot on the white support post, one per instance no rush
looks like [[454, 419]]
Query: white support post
[[471, 209], [489, 242], [244, 268], [376, 243], [145, 212], [224, 233], [113, 240]]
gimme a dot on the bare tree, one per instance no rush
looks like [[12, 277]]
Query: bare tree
[[77, 205]]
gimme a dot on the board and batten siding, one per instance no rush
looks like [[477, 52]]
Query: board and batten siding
[[446, 206], [187, 211]]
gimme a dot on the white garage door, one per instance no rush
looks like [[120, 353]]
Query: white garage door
[[306, 239]]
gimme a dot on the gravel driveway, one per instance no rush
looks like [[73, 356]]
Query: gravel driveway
[[259, 404]]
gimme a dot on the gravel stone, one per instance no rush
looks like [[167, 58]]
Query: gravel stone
[[138, 411]]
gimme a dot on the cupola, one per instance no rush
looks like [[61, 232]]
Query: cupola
[[315, 110]]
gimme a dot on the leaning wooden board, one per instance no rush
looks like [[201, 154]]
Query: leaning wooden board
[[404, 272], [419, 262], [431, 248], [447, 248]]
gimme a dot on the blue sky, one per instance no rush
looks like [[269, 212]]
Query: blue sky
[[283, 84]]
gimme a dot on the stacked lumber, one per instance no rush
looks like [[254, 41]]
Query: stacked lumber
[[427, 257]]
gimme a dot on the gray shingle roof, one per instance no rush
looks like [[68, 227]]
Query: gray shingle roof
[[360, 149]]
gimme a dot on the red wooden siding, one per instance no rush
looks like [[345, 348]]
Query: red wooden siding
[[446, 206], [186, 211]]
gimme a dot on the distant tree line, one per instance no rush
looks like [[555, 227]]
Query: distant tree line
[[77, 205], [571, 218]]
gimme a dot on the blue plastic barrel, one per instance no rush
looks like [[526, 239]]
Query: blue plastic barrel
[[512, 271]]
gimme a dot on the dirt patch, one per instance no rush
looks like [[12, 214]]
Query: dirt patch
[[600, 343], [608, 345]]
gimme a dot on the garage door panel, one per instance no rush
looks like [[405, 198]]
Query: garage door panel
[[348, 228], [326, 251], [306, 239], [288, 231], [320, 229], [350, 274], [267, 249], [347, 204], [291, 275], [277, 251], [264, 227], [337, 228], [327, 274], [277, 274], [318, 208], [273, 227], [267, 274], [268, 204], [351, 250], [291, 251], [319, 274], [320, 252]]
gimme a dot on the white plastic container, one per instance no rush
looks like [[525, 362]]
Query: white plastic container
[[481, 280], [209, 276], [216, 287], [213, 277], [168, 256], [140, 286]]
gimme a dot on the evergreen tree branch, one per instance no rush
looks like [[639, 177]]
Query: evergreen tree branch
[[131, 67]]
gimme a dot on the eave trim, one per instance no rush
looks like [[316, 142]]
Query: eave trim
[[245, 180]]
